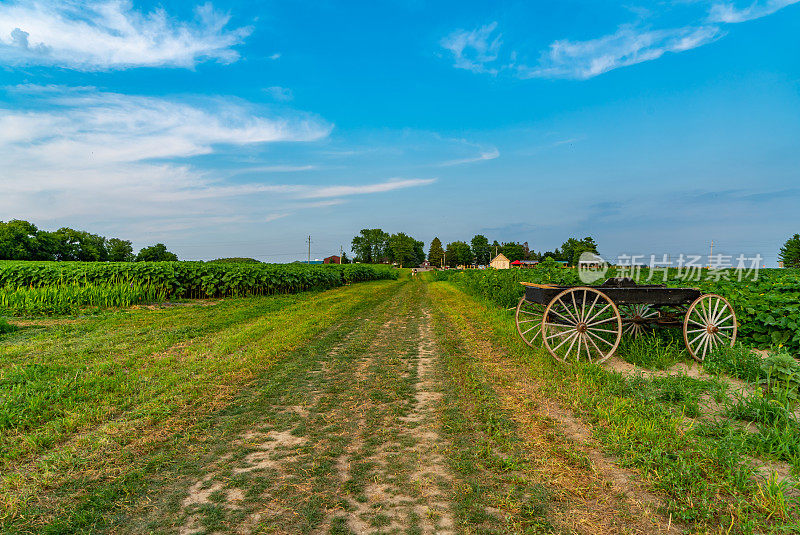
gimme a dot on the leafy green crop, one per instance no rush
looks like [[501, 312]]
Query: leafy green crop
[[64, 287]]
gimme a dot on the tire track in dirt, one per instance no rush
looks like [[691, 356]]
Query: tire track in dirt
[[408, 481], [353, 447]]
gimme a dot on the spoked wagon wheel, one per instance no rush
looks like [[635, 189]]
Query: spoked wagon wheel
[[637, 318], [581, 324], [529, 320], [710, 322]]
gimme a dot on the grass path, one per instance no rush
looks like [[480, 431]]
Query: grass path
[[343, 439], [390, 422], [388, 407]]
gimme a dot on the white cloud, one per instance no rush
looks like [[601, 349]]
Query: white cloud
[[81, 153], [280, 93], [291, 191], [275, 169], [487, 154], [111, 34], [273, 217], [479, 51], [89, 152], [474, 50], [346, 191], [108, 128], [727, 12], [627, 46]]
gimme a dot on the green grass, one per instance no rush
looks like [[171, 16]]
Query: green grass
[[6, 327], [655, 350], [738, 361], [96, 404], [487, 455]]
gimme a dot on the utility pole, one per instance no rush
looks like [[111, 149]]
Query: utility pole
[[309, 249], [340, 254], [711, 254], [444, 259]]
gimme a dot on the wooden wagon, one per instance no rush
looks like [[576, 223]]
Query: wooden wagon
[[587, 322]]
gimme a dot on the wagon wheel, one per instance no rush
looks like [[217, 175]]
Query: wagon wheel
[[529, 320], [710, 322], [581, 321], [637, 318]]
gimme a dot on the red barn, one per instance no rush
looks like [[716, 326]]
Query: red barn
[[332, 260]]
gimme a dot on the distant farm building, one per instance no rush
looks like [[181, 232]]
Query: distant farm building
[[333, 260], [524, 263], [500, 262]]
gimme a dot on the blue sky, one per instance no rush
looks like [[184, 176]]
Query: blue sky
[[239, 128]]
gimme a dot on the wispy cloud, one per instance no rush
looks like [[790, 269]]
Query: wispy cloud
[[111, 34], [275, 169], [474, 50], [283, 94], [291, 191], [479, 50], [487, 154], [99, 128], [79, 152], [629, 45], [727, 12], [380, 187], [273, 217], [83, 151]]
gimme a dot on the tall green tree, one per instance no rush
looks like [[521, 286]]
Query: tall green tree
[[370, 246], [121, 251], [481, 249], [156, 253], [790, 252], [572, 248], [18, 240], [404, 250], [513, 251], [436, 252], [81, 245], [459, 254]]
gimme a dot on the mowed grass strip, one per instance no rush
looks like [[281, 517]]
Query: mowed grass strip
[[85, 404], [706, 482], [498, 489], [60, 376]]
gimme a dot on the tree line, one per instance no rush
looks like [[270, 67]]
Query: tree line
[[480, 252], [22, 240], [376, 246]]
